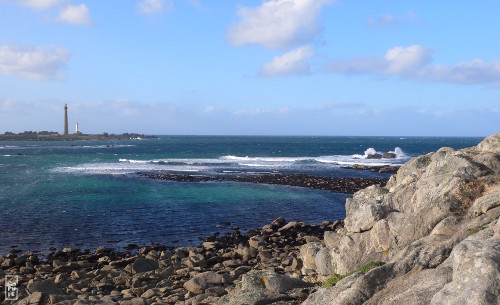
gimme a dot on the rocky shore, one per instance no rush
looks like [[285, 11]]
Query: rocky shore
[[263, 265], [339, 185], [431, 235]]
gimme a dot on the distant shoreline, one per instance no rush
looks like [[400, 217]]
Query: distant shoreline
[[51, 136]]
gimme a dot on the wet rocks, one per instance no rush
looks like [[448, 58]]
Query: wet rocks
[[340, 185], [215, 272]]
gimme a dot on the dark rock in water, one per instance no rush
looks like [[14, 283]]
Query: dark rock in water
[[389, 155], [339, 185], [131, 247], [374, 156], [390, 169], [279, 222], [224, 224]]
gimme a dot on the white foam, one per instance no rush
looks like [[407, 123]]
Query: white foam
[[257, 165], [122, 169], [266, 159], [370, 152], [10, 147], [399, 153]]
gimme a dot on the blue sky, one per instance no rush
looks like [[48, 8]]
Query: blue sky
[[278, 67]]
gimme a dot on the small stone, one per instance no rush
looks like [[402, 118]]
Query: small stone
[[149, 293]]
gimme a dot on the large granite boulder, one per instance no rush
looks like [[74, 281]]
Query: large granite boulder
[[440, 203]]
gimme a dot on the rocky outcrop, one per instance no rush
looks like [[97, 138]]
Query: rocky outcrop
[[435, 224]]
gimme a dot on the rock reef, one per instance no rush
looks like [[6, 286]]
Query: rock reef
[[338, 185]]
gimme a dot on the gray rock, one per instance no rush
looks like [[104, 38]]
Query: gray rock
[[142, 264], [278, 222], [262, 287], [288, 226], [45, 286], [308, 254], [256, 242], [485, 203], [476, 272], [331, 294], [134, 301], [246, 253], [423, 214], [365, 209], [216, 291], [324, 262], [197, 260], [415, 287], [389, 155], [204, 280], [490, 144]]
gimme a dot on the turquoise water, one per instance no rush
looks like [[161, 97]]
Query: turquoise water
[[87, 194]]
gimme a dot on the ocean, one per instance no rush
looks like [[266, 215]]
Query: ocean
[[86, 194]]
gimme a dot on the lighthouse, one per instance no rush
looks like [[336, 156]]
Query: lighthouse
[[66, 119]]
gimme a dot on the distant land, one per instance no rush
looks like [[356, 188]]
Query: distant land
[[55, 136]]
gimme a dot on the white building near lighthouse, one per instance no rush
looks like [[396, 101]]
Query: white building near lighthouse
[[76, 129]]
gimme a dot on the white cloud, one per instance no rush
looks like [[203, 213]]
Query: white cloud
[[405, 60], [290, 63], [414, 62], [152, 7], [251, 112], [385, 20], [397, 61], [475, 71], [212, 109], [35, 63], [75, 14], [278, 23], [39, 4]]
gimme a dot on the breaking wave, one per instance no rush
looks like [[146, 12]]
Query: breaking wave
[[238, 164]]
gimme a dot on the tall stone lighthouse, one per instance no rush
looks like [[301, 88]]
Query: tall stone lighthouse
[[66, 119]]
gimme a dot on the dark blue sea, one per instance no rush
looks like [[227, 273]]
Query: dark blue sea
[[87, 194]]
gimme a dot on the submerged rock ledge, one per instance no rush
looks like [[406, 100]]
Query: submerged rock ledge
[[339, 185]]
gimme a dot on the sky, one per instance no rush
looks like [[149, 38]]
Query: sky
[[274, 67]]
